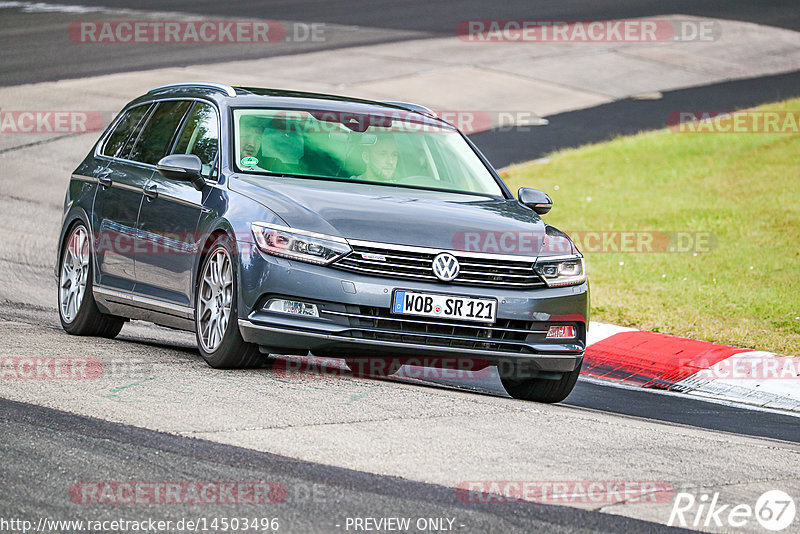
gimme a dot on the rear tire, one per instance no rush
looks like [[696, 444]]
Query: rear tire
[[541, 389], [216, 321], [77, 309]]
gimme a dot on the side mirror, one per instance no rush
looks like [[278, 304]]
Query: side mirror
[[536, 200], [184, 167]]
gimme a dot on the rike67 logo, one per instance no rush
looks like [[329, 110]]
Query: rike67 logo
[[774, 510]]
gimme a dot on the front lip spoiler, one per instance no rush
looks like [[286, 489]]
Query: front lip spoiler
[[266, 335]]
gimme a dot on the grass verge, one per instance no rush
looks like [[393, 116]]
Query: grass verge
[[738, 191]]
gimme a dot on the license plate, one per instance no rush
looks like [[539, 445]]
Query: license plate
[[444, 306]]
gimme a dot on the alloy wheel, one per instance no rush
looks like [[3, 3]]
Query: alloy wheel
[[74, 273], [214, 299]]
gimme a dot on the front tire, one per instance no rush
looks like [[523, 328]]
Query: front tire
[[541, 389], [216, 320], [77, 309]]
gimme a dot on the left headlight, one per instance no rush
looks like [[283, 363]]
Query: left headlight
[[299, 245], [561, 271]]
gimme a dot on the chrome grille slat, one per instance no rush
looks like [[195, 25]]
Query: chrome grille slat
[[399, 254], [475, 273], [360, 261], [506, 265], [408, 262], [381, 273], [393, 257], [495, 283]]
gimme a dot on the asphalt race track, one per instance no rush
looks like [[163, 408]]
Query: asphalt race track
[[576, 128], [344, 447], [318, 497], [37, 56]]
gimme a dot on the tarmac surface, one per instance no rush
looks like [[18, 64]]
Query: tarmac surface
[[376, 447]]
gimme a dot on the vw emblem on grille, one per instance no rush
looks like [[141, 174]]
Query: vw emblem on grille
[[445, 267]]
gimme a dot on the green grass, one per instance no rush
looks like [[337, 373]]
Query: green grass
[[742, 188]]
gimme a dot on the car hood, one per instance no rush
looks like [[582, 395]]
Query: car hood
[[398, 215]]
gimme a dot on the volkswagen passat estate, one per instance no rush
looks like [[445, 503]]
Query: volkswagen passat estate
[[281, 222]]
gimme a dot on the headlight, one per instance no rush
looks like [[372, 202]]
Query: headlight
[[299, 245], [561, 271]]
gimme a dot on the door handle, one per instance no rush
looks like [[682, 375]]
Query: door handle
[[150, 191]]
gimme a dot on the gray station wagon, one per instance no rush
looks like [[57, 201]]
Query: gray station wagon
[[281, 222]]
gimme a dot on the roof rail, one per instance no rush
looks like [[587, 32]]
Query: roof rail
[[428, 112], [227, 89]]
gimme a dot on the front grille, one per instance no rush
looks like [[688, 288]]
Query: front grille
[[379, 324], [409, 263]]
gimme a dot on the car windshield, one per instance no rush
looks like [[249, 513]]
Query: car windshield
[[397, 148]]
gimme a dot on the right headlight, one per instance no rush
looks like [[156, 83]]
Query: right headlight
[[297, 244], [561, 271]]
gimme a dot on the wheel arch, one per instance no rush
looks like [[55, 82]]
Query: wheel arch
[[73, 216], [222, 229]]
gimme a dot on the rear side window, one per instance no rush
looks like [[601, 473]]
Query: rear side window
[[123, 130], [200, 136], [156, 137]]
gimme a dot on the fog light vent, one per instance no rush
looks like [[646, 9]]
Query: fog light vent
[[561, 332], [294, 307]]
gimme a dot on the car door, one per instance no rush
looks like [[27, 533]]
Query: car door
[[116, 203], [167, 240]]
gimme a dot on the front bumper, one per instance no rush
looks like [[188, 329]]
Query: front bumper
[[341, 345], [355, 321]]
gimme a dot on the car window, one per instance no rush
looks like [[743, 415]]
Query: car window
[[156, 137], [125, 151], [123, 130], [388, 147], [200, 136]]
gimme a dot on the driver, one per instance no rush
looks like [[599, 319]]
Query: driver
[[380, 159]]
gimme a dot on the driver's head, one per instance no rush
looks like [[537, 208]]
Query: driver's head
[[250, 131], [380, 159]]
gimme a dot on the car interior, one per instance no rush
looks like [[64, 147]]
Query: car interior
[[299, 143]]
